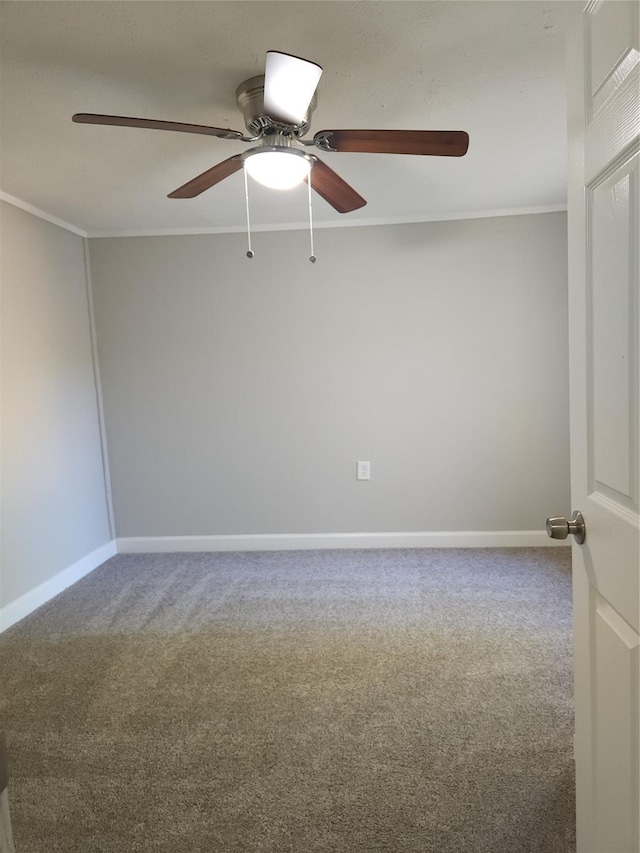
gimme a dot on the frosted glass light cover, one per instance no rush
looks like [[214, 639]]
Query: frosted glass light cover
[[278, 170], [289, 84]]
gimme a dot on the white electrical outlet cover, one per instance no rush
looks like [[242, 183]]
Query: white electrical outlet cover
[[363, 470]]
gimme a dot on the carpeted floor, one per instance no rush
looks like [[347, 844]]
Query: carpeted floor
[[297, 702]]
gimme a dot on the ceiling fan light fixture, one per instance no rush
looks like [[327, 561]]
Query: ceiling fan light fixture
[[290, 83], [279, 168]]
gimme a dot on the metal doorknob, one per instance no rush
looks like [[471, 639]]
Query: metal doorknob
[[560, 528]]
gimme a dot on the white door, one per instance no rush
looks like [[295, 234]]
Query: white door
[[604, 309]]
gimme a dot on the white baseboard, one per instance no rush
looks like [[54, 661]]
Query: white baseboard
[[30, 601], [307, 541]]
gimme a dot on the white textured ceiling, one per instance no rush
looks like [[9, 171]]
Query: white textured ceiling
[[494, 69]]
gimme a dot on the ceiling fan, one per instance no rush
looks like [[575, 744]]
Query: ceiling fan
[[277, 110]]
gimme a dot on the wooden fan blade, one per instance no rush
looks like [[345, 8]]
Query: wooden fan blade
[[333, 189], [156, 124], [209, 178], [439, 143]]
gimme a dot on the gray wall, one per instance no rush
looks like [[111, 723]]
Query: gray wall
[[239, 394], [52, 498]]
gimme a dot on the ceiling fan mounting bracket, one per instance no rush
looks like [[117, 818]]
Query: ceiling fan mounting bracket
[[250, 101], [321, 141]]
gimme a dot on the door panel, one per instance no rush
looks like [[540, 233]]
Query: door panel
[[616, 716], [604, 295], [612, 342], [610, 39], [611, 68]]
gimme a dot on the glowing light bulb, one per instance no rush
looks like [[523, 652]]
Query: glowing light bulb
[[278, 170]]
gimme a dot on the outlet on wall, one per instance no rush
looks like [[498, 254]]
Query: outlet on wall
[[363, 470]]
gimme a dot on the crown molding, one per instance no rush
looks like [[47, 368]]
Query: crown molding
[[281, 226], [351, 223], [42, 214]]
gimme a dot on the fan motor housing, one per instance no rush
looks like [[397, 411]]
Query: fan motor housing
[[250, 100]]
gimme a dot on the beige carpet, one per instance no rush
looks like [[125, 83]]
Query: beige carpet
[[297, 702]]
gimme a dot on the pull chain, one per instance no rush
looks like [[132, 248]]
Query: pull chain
[[250, 254], [312, 257], [246, 198]]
